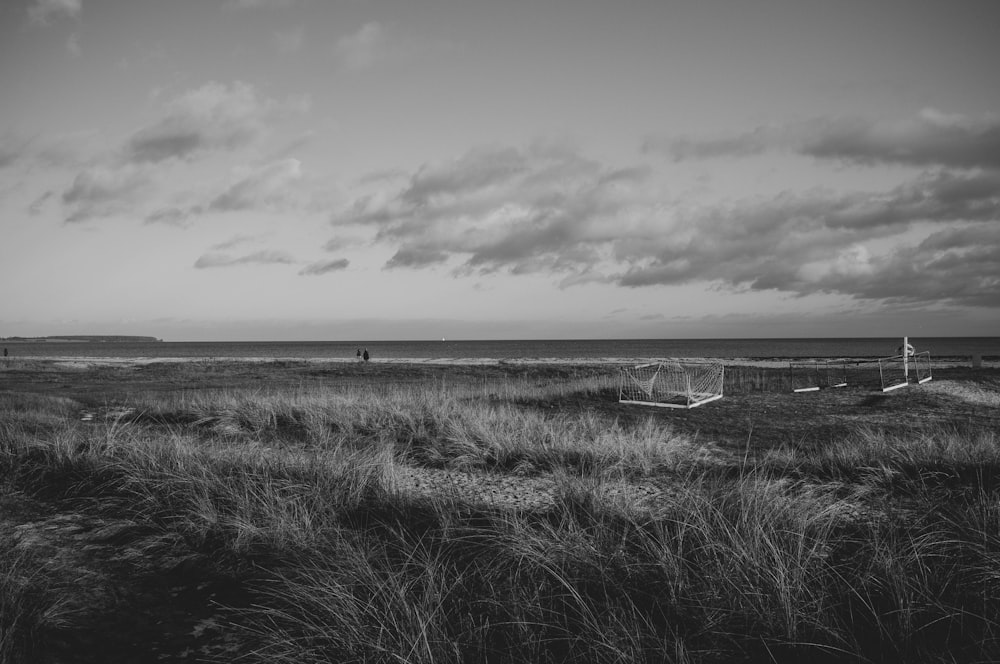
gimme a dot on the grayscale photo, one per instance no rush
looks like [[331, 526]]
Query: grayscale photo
[[455, 331]]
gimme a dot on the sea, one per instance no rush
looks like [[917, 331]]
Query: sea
[[515, 349]]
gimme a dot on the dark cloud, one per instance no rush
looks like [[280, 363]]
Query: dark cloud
[[815, 243], [325, 267], [103, 191], [938, 197], [210, 118], [173, 216], [213, 117], [960, 266], [173, 139], [510, 209], [548, 209], [267, 187], [417, 257], [39, 203], [57, 151], [12, 149], [340, 242], [54, 152], [931, 138], [266, 257], [478, 169]]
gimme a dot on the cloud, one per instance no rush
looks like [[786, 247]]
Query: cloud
[[268, 187], [819, 243], [325, 267], [41, 12], [342, 242], [37, 205], [362, 49], [937, 197], [417, 257], [957, 265], [275, 186], [52, 152], [932, 138], [541, 208], [12, 149], [266, 257], [172, 216], [101, 191], [549, 210], [213, 117]]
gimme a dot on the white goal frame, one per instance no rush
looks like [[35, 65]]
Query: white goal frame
[[671, 383], [889, 368]]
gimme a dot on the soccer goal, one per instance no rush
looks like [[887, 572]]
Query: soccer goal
[[921, 366], [671, 384], [812, 375], [896, 371]]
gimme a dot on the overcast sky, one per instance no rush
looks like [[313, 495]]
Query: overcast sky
[[360, 169]]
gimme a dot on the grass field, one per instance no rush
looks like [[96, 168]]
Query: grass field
[[289, 512]]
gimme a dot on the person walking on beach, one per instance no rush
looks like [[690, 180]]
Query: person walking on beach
[[366, 355], [358, 355]]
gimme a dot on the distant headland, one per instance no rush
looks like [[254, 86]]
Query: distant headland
[[90, 338]]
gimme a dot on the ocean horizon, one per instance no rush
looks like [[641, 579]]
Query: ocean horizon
[[513, 349]]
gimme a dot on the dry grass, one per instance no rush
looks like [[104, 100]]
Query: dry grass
[[881, 547]]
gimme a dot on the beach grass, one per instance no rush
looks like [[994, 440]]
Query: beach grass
[[298, 499]]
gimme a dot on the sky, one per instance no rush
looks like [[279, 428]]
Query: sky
[[423, 169]]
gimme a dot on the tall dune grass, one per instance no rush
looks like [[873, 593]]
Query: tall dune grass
[[882, 548], [437, 429]]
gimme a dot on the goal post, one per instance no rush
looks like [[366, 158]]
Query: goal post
[[671, 383]]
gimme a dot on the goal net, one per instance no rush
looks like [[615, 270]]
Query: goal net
[[671, 384], [811, 375], [898, 371], [887, 373], [920, 365]]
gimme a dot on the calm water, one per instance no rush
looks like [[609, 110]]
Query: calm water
[[939, 347]]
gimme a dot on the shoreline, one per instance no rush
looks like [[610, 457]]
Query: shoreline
[[84, 361]]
